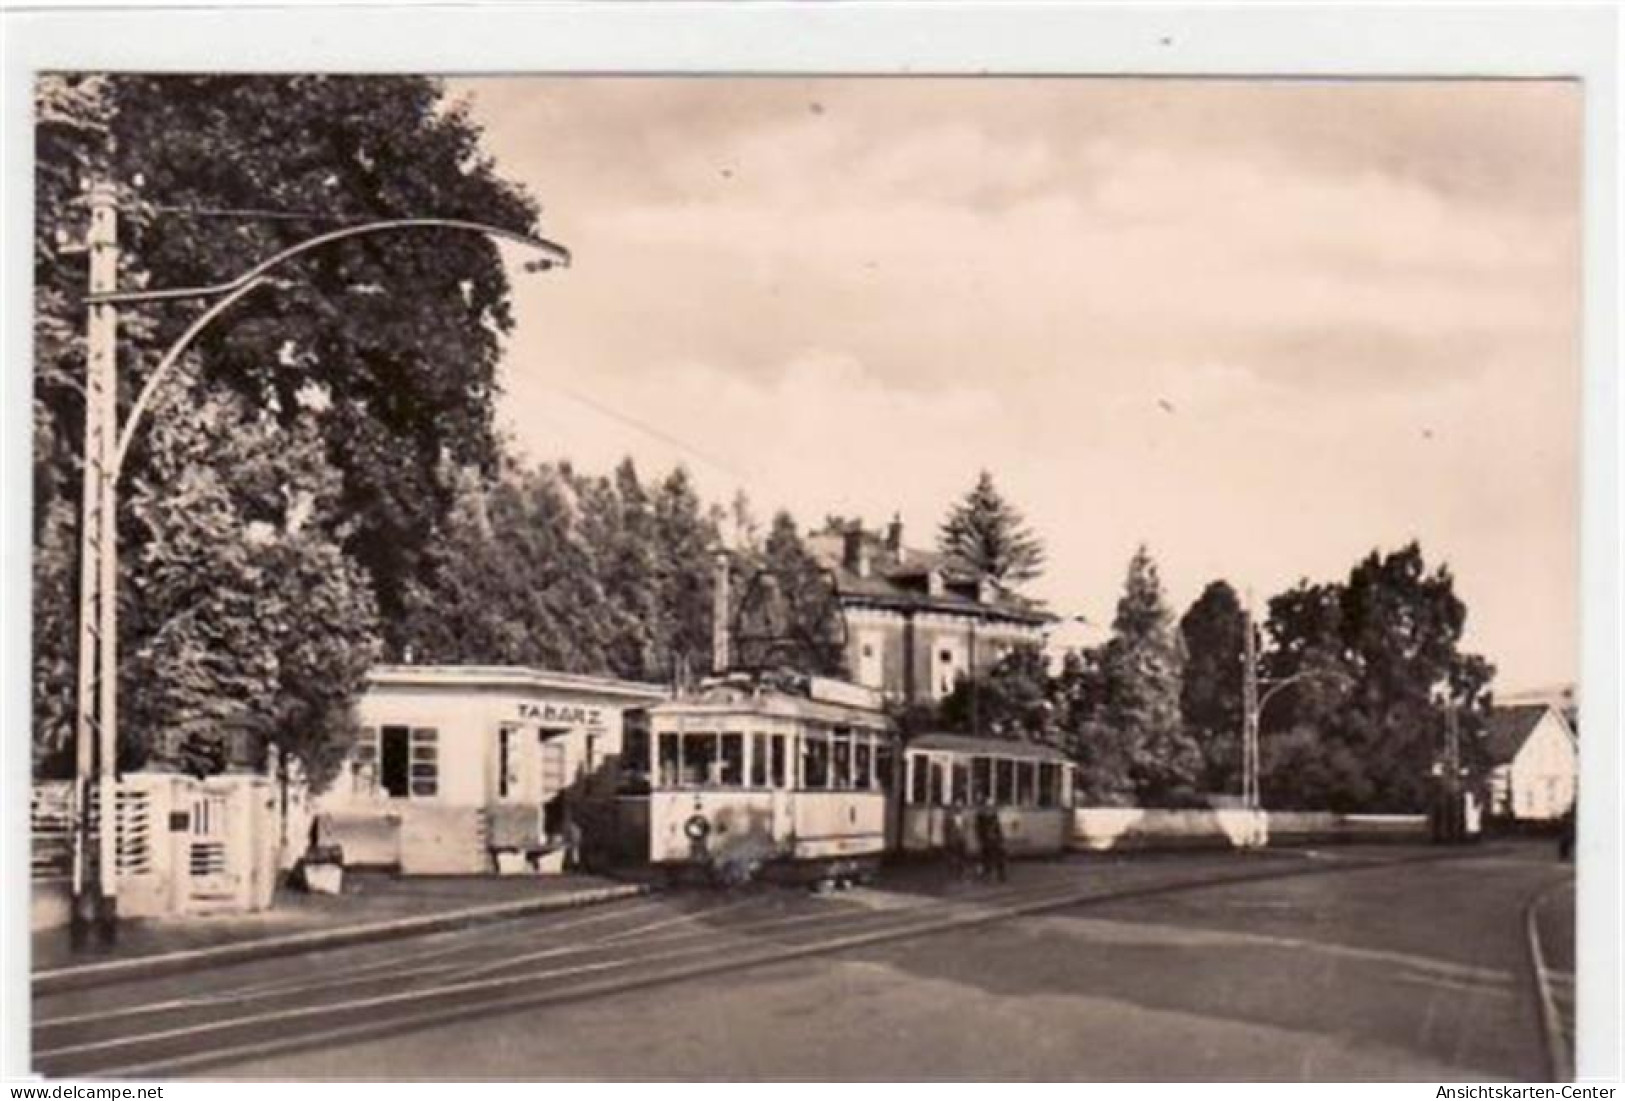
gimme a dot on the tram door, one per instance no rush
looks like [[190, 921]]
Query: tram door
[[551, 780]]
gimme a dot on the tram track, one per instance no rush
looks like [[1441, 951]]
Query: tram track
[[476, 975]]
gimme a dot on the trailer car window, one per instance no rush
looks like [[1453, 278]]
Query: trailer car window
[[1004, 775], [758, 760], [777, 775]]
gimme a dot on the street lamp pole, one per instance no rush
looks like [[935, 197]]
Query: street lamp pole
[[95, 896]]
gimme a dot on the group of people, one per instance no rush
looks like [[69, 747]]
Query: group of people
[[988, 859]]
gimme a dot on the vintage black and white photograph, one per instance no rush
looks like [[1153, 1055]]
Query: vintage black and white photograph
[[705, 577]]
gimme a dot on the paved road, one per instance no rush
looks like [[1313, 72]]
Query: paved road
[[1342, 965]]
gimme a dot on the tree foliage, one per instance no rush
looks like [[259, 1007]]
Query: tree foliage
[[987, 533], [243, 613], [1142, 666], [1384, 652], [787, 613], [1214, 634], [376, 356]]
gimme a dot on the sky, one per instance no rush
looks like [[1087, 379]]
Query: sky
[[1263, 327]]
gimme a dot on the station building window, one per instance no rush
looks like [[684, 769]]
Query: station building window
[[425, 762]]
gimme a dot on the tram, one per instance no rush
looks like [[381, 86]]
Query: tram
[[1030, 786], [791, 781]]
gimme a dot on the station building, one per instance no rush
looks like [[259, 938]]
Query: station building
[[917, 620], [456, 764]]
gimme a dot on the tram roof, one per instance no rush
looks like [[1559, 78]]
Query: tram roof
[[733, 699], [985, 747]]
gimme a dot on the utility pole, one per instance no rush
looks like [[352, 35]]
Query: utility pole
[[95, 893], [1453, 824], [1249, 711]]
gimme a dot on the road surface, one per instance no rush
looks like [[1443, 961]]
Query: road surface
[[1349, 964]]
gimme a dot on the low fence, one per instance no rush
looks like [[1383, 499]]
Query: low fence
[[1133, 828], [182, 846]]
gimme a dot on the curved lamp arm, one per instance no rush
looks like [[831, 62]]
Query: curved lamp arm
[[252, 278]]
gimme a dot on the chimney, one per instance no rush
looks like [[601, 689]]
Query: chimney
[[719, 617], [894, 539], [855, 550]]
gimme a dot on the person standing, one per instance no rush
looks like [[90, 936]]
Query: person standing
[[990, 834], [955, 842]]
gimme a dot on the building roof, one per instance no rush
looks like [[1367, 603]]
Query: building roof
[[985, 747], [901, 577], [1510, 725], [511, 677]]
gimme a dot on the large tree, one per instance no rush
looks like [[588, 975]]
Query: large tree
[[398, 334], [1214, 634], [1383, 661], [1142, 666], [786, 613], [987, 533], [379, 353], [243, 613]]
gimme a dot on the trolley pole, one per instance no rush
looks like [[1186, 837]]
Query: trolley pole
[[95, 893], [1249, 711]]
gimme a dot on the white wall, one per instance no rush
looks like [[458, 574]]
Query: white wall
[[1544, 772]]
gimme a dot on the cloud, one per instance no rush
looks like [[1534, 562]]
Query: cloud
[[1360, 298]]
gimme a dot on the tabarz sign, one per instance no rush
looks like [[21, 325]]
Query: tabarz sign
[[566, 714]]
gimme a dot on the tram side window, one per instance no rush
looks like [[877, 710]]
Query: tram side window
[[861, 765], [918, 791], [1049, 786], [937, 784], [961, 783], [758, 760], [843, 762], [776, 773], [981, 780], [699, 759], [1004, 782], [815, 762], [732, 772], [670, 764]]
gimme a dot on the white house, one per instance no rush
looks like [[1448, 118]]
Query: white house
[[1535, 762], [455, 762]]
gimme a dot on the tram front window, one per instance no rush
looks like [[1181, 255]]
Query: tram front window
[[670, 764], [861, 765], [776, 772], [758, 760], [731, 774], [700, 759]]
